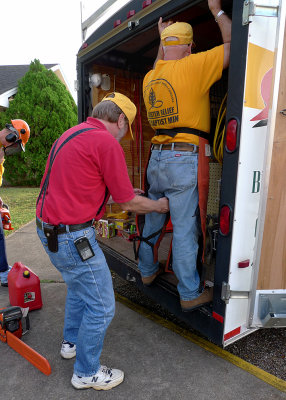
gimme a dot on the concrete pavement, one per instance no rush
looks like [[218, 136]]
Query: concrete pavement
[[158, 363]]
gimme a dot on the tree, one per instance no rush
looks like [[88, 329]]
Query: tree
[[43, 101]]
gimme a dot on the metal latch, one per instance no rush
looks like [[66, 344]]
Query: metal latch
[[227, 294], [131, 24], [250, 9]]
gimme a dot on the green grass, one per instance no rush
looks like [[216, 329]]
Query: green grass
[[22, 205]]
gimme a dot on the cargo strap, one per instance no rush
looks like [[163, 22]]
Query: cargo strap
[[173, 132]]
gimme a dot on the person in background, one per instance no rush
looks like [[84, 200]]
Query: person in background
[[13, 139], [85, 167], [176, 96]]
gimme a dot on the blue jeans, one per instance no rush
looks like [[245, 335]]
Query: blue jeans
[[3, 258], [173, 174], [90, 303]]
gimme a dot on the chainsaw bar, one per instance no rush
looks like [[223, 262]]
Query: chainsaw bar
[[28, 353]]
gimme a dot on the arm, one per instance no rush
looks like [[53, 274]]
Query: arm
[[143, 205], [1, 155], [224, 24], [136, 191], [161, 27]]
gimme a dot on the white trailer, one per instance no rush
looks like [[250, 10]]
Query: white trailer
[[246, 253]]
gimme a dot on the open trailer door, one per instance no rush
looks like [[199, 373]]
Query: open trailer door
[[254, 292]]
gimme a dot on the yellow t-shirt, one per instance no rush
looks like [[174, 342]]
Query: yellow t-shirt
[[176, 93], [1, 172]]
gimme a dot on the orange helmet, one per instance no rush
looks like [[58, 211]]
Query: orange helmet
[[23, 129]]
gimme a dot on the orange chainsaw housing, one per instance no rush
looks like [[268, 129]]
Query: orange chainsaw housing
[[11, 324]]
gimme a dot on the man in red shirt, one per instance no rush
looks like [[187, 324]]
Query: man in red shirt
[[85, 167]]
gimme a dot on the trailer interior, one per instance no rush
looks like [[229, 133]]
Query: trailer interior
[[115, 58]]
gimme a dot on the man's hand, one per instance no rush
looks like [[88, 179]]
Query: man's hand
[[138, 191], [163, 205], [163, 25], [1, 155]]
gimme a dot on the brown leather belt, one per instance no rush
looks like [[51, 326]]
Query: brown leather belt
[[179, 146]]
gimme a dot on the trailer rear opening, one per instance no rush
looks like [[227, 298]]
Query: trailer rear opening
[[116, 57]]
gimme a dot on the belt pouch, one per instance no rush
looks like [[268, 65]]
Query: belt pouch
[[51, 233]]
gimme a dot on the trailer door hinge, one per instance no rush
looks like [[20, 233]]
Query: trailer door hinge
[[250, 9], [227, 294]]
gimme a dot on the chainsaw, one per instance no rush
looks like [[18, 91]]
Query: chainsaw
[[6, 217], [11, 331]]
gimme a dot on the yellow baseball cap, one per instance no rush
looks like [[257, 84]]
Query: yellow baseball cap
[[127, 107], [180, 31]]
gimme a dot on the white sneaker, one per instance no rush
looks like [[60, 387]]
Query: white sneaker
[[104, 379], [68, 349]]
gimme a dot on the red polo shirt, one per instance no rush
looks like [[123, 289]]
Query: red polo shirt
[[82, 170]]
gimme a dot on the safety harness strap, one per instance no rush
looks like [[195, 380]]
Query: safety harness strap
[[144, 239], [173, 132]]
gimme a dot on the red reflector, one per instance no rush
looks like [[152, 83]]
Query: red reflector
[[130, 13], [232, 333], [231, 135], [146, 3], [116, 23], [218, 317], [244, 264], [224, 220], [84, 45]]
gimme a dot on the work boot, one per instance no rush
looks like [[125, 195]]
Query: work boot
[[148, 280], [204, 298]]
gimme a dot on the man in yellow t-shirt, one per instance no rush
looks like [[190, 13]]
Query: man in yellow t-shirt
[[176, 96], [12, 140]]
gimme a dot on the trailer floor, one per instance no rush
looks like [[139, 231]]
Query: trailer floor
[[159, 362]]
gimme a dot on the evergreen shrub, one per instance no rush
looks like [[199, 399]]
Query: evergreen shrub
[[43, 101]]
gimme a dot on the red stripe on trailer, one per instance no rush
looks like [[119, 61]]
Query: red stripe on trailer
[[218, 317], [232, 333]]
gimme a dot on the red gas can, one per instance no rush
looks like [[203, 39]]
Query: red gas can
[[24, 287]]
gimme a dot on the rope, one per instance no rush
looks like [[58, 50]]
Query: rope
[[219, 133]]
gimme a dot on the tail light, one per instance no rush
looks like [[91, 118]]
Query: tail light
[[117, 22], [130, 14], [231, 135], [146, 3], [224, 220]]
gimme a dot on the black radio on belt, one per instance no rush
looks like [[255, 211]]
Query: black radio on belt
[[51, 233]]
